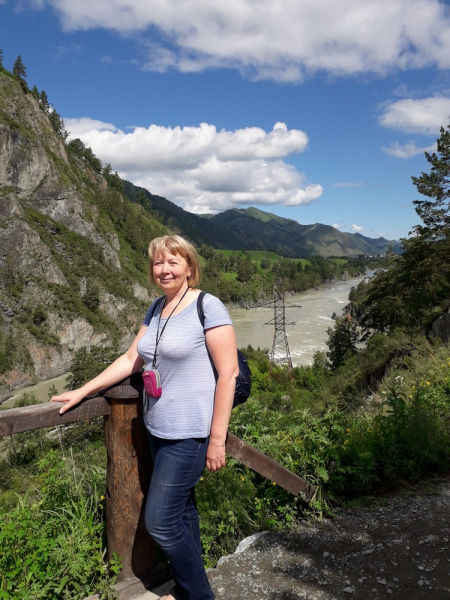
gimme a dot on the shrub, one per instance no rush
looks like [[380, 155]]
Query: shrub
[[51, 541]]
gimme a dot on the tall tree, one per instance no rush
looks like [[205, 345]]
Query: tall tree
[[342, 341], [19, 70], [435, 211], [416, 284], [57, 123], [1, 59], [43, 101]]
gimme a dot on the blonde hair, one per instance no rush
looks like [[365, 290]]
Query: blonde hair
[[175, 244]]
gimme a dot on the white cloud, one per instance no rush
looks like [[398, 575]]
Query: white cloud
[[351, 185], [71, 48], [424, 116], [356, 228], [203, 169], [77, 127], [407, 150], [284, 40]]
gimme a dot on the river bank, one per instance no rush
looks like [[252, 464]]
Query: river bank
[[39, 390]]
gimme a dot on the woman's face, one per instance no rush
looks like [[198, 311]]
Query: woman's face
[[171, 272]]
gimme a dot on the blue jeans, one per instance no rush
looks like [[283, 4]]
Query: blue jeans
[[171, 516]]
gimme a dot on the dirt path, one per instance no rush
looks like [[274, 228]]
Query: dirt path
[[400, 549]]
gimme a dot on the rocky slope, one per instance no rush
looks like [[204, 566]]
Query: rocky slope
[[68, 274], [398, 548]]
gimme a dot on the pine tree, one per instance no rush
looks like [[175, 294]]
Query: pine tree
[[416, 283], [1, 59], [43, 101], [342, 341], [19, 70], [57, 123], [435, 212]]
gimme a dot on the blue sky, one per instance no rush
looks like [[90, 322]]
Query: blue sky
[[319, 111]]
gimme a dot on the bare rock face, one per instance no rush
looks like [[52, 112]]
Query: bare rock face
[[440, 327], [34, 163], [140, 292], [24, 248]]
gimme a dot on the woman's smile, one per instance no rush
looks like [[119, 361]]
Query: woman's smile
[[171, 272]]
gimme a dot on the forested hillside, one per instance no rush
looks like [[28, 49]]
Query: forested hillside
[[253, 229]]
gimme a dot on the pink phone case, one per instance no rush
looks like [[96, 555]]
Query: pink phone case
[[152, 383]]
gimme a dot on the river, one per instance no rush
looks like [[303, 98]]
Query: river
[[40, 390], [312, 320], [308, 335]]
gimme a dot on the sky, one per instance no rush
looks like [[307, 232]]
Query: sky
[[314, 110]]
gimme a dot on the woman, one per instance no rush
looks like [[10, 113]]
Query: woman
[[188, 423]]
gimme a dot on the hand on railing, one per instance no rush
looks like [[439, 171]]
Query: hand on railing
[[69, 398]]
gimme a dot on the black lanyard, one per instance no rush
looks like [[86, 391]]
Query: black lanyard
[[165, 324]]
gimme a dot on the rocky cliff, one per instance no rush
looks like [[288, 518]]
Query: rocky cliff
[[72, 251]]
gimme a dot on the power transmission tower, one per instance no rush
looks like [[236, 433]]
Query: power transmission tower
[[280, 355]]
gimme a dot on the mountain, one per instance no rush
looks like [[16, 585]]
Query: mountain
[[254, 229], [73, 261]]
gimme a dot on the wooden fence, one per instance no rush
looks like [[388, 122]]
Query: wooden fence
[[129, 466]]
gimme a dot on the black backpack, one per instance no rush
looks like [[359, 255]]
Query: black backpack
[[244, 379]]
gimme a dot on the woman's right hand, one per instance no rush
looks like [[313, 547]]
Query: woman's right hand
[[69, 398]]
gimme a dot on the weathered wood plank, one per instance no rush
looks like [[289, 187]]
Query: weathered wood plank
[[267, 467], [38, 416], [127, 481]]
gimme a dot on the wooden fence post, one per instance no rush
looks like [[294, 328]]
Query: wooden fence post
[[127, 480]]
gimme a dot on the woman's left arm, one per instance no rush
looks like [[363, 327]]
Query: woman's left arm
[[221, 342]]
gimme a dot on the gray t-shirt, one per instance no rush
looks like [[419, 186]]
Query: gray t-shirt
[[185, 407]]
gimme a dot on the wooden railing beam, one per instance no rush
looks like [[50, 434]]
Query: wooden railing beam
[[38, 416], [265, 466]]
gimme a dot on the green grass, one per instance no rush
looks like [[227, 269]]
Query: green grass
[[258, 255], [255, 255]]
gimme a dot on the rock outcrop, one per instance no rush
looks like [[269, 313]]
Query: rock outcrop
[[440, 327]]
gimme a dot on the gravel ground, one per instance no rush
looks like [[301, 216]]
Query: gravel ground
[[397, 548]]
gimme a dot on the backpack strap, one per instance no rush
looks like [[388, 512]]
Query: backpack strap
[[200, 311], [155, 306]]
